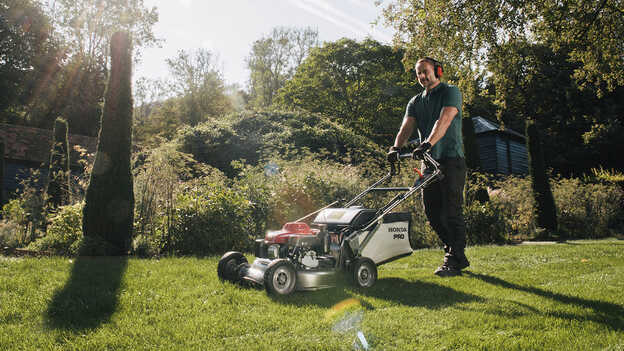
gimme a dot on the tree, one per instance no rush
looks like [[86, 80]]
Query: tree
[[273, 60], [109, 204], [362, 84], [545, 203], [29, 57], [74, 88], [199, 85], [87, 26], [58, 189], [465, 33]]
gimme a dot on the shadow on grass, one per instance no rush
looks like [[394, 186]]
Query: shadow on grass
[[417, 293], [408, 293], [90, 295], [606, 313]]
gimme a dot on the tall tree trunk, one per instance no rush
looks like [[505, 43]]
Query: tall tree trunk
[[545, 203], [109, 204]]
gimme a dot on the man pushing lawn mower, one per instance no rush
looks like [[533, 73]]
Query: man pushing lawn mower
[[355, 240], [436, 114]]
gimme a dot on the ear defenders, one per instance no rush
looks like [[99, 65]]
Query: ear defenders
[[437, 66]]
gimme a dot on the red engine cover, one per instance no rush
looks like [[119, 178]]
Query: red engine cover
[[289, 230]]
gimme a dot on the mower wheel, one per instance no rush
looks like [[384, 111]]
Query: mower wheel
[[280, 277], [364, 272], [229, 266]]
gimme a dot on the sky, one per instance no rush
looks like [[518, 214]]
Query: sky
[[228, 28]]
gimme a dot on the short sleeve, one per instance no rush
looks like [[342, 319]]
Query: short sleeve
[[410, 110], [452, 97]]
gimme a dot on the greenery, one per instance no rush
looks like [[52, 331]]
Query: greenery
[[511, 298], [58, 187], [64, 232], [362, 84], [253, 136], [273, 60], [109, 204]]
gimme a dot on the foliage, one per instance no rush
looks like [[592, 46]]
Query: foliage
[[29, 56], [58, 187], [160, 176], [199, 86], [273, 60], [587, 210], [24, 216], [64, 232], [465, 34], [109, 202], [484, 224], [87, 26], [362, 84], [254, 136], [546, 211], [209, 219]]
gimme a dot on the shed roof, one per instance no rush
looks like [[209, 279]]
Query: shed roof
[[483, 125]]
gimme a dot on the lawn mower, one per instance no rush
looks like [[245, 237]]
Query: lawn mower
[[342, 241]]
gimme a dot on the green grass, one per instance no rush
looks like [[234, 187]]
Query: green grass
[[526, 297]]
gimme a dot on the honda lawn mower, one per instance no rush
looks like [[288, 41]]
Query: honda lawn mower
[[350, 239]]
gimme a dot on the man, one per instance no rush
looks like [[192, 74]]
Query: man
[[436, 114]]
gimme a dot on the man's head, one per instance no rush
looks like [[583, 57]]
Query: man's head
[[429, 72]]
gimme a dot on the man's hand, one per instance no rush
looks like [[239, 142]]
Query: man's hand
[[419, 152], [393, 154]]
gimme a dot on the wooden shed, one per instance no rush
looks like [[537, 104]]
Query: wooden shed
[[501, 150]]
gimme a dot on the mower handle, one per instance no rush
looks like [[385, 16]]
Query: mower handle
[[427, 158]]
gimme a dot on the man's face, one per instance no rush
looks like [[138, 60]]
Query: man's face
[[425, 74]]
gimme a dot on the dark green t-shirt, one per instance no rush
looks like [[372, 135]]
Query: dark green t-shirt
[[425, 108]]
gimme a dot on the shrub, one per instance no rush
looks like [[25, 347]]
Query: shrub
[[587, 210], [209, 219], [484, 224], [255, 136], [513, 197], [64, 232]]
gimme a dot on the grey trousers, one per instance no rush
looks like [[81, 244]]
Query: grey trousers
[[443, 201]]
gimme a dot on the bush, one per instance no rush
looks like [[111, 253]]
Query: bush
[[64, 233], [255, 136], [485, 224], [210, 219], [587, 210], [513, 198]]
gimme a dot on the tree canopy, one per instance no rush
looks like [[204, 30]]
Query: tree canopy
[[273, 60], [362, 84]]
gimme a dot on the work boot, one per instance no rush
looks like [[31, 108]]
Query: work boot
[[449, 268], [447, 271], [457, 258], [462, 260]]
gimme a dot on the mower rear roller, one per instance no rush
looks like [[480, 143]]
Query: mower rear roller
[[230, 265]]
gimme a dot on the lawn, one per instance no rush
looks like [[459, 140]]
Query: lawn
[[527, 297]]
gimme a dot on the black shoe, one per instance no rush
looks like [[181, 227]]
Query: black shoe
[[462, 261], [447, 271], [456, 259]]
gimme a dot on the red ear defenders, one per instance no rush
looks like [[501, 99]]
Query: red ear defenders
[[437, 66]]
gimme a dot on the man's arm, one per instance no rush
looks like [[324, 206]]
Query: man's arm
[[407, 127], [441, 125]]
